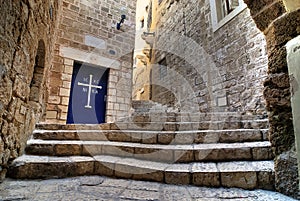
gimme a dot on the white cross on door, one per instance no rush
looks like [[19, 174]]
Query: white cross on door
[[90, 86]]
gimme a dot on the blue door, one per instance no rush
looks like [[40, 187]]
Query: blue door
[[87, 104]]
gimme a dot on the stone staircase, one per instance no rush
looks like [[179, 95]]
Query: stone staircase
[[211, 149]]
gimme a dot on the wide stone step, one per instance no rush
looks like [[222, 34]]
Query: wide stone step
[[190, 117], [203, 125], [162, 126], [154, 152], [156, 137], [242, 174]]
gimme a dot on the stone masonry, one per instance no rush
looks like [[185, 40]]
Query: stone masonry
[[41, 40], [26, 48], [103, 188], [279, 21], [221, 70], [87, 33]]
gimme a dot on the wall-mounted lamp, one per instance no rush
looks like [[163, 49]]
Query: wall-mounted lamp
[[123, 17]]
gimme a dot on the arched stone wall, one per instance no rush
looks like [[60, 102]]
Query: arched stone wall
[[38, 73], [38, 89], [280, 22], [25, 24]]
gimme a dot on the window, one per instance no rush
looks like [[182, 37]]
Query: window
[[223, 11], [163, 68]]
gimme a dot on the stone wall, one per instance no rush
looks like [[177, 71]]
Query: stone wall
[[206, 70], [26, 38], [141, 67], [87, 33], [279, 26]]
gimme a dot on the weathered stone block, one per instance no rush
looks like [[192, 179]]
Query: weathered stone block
[[184, 138], [265, 16], [83, 165], [266, 180], [40, 149], [117, 150], [178, 174], [184, 156], [91, 150], [170, 127], [286, 177], [51, 114], [154, 154], [67, 149], [104, 168], [149, 175], [119, 136], [149, 138], [262, 153], [124, 171], [205, 174], [246, 180], [223, 154], [165, 138]]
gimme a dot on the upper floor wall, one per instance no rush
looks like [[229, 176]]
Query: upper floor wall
[[88, 33], [207, 58]]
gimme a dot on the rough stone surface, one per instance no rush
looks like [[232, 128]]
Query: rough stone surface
[[202, 67], [286, 177], [27, 30], [27, 37], [206, 174], [279, 26], [102, 188]]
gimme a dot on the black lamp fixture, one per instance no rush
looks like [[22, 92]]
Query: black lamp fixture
[[123, 17]]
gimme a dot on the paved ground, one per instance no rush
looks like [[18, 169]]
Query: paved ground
[[102, 188]]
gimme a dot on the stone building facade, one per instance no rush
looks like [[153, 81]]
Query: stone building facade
[[216, 67], [40, 45], [27, 31], [88, 35], [37, 62], [201, 63]]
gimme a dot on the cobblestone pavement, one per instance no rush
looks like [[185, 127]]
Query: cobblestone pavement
[[102, 188]]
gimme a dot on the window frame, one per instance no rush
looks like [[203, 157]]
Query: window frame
[[214, 16]]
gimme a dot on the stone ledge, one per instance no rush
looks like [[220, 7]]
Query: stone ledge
[[245, 174], [155, 152], [156, 137]]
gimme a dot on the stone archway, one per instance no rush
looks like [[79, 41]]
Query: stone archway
[[279, 20], [36, 85]]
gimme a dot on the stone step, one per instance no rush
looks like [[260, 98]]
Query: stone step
[[142, 105], [166, 153], [183, 126], [194, 117], [158, 117], [242, 174], [156, 137], [161, 126]]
